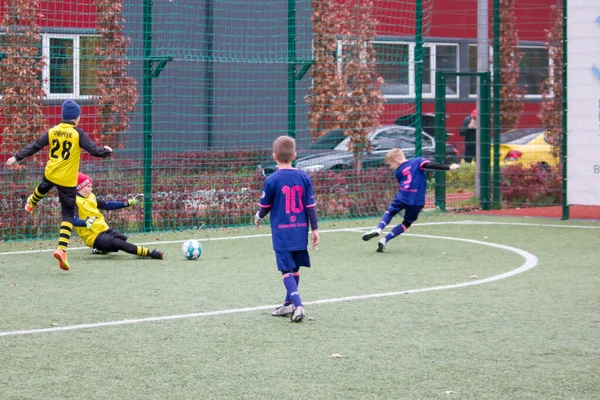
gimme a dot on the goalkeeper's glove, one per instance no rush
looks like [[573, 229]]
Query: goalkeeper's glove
[[135, 200], [89, 221]]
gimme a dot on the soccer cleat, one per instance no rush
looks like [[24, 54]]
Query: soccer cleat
[[96, 251], [283, 311], [298, 314], [28, 206], [381, 245], [61, 256], [157, 254], [370, 235]]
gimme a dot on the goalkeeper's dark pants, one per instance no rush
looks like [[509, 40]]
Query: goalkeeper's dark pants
[[112, 241]]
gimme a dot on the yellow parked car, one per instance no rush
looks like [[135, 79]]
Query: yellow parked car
[[526, 147]]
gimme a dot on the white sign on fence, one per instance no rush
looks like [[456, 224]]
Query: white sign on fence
[[583, 96]]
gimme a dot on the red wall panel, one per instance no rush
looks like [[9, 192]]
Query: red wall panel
[[68, 14]]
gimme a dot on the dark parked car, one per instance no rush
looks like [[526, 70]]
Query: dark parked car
[[328, 141], [427, 122], [382, 140]]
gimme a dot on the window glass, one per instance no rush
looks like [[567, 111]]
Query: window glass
[[392, 138], [472, 68], [526, 139], [61, 65], [87, 64], [427, 141], [392, 65], [344, 145], [350, 51], [2, 56], [446, 60], [329, 140], [473, 56], [427, 86], [2, 44], [533, 69]]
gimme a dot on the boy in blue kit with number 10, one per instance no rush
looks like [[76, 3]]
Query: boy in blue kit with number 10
[[288, 195], [411, 194]]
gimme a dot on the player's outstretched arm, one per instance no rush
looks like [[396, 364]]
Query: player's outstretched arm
[[86, 143], [29, 150], [439, 166]]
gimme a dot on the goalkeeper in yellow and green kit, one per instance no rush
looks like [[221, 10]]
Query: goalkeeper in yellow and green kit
[[91, 226], [66, 141]]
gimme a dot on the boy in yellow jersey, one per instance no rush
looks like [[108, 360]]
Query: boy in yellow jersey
[[91, 226], [65, 141]]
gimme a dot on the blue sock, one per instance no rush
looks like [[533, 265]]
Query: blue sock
[[297, 278], [288, 301], [398, 230], [385, 220], [292, 289]]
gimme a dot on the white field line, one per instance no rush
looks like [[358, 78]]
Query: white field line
[[155, 242], [530, 262]]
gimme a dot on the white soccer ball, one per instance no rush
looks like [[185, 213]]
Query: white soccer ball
[[191, 249]]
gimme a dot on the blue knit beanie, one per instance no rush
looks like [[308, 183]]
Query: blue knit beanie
[[70, 110]]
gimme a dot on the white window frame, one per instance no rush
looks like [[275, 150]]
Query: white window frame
[[550, 76], [491, 67], [340, 53], [433, 57], [431, 47], [550, 73], [75, 94], [411, 69]]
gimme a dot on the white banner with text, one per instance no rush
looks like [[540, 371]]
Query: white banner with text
[[583, 96]]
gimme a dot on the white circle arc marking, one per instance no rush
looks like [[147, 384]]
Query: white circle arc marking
[[530, 262]]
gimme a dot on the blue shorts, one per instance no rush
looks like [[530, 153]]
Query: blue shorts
[[288, 261], [411, 213]]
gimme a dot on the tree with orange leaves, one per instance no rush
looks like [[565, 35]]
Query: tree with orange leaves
[[116, 92], [21, 92], [346, 92]]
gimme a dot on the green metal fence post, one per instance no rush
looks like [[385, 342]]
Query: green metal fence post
[[497, 199], [147, 110], [485, 142], [440, 138], [209, 64], [148, 74], [565, 203], [291, 60], [419, 78]]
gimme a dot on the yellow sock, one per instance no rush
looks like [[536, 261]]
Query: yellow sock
[[36, 197], [65, 235], [142, 251]]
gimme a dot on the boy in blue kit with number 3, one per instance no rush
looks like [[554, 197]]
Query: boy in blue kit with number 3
[[288, 195], [411, 194]]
